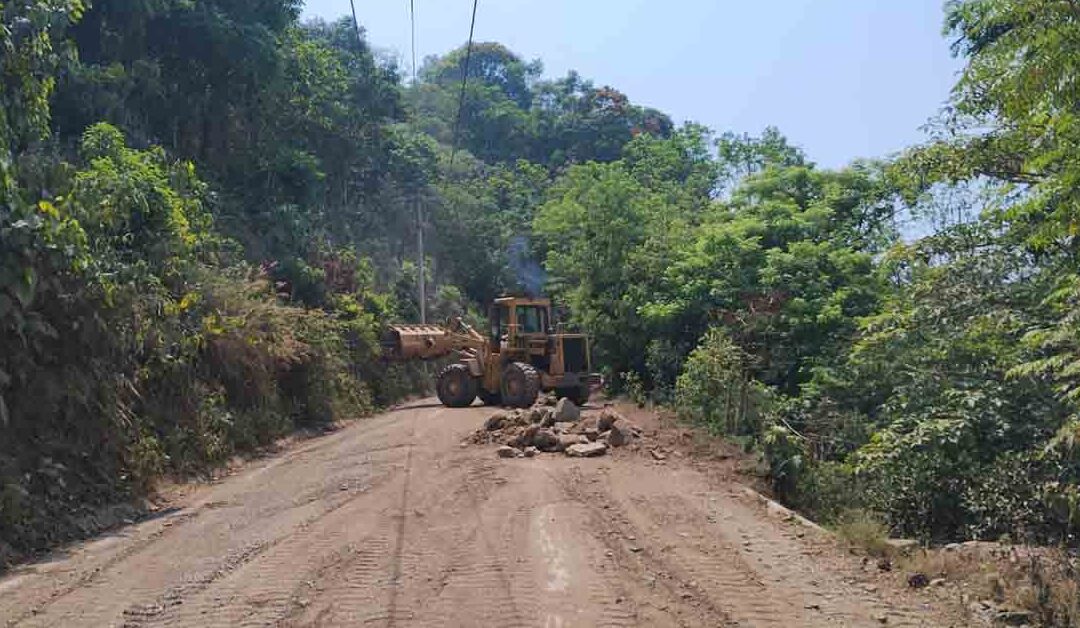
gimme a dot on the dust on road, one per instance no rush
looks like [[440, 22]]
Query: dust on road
[[392, 522]]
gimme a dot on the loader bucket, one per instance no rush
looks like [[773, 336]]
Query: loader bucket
[[416, 342]]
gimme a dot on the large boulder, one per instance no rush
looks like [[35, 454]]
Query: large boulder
[[608, 417], [566, 411], [587, 422], [586, 450], [568, 440], [539, 414], [621, 434], [526, 436], [496, 421], [545, 440], [507, 451]]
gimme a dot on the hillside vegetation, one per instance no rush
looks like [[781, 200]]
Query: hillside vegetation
[[208, 211]]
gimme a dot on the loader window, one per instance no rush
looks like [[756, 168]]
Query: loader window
[[500, 322], [532, 319]]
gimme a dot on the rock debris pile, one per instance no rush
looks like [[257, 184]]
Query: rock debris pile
[[555, 426]]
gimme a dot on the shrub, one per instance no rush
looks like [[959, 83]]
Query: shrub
[[826, 490], [785, 455], [966, 466], [863, 529], [716, 389]]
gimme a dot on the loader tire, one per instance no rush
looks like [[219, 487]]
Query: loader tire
[[456, 386], [520, 385], [490, 398]]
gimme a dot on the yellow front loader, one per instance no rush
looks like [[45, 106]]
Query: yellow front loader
[[519, 356]]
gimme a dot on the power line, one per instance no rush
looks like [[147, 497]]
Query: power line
[[464, 82]]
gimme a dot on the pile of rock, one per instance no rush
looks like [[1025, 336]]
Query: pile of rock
[[561, 428]]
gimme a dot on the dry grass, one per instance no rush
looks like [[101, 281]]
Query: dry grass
[[863, 530], [1042, 581]]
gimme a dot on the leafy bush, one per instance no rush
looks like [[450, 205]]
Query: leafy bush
[[825, 490], [786, 456], [716, 389], [631, 385]]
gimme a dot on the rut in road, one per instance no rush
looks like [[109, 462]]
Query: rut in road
[[390, 522]]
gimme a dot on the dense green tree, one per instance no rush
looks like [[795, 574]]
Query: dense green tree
[[509, 113]]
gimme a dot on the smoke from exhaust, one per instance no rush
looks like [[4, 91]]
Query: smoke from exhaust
[[530, 276]]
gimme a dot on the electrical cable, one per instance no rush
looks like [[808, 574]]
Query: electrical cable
[[464, 82]]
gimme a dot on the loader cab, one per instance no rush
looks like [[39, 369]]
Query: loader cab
[[521, 325]]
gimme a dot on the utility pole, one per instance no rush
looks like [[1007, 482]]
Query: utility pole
[[416, 199], [420, 241], [356, 23]]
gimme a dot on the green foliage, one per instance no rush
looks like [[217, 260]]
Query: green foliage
[[640, 249], [828, 492], [1057, 342], [509, 113], [28, 60], [630, 384], [784, 451], [716, 389], [597, 220], [1013, 118]]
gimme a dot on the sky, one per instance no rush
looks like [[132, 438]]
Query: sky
[[843, 79]]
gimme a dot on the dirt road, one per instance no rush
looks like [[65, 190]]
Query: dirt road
[[391, 521]]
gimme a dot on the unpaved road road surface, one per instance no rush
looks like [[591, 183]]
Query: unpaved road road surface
[[392, 522]]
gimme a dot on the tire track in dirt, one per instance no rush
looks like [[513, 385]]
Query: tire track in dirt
[[411, 573], [416, 564], [775, 555], [264, 589], [177, 525], [159, 605], [475, 581], [88, 578], [754, 568], [673, 588], [710, 566], [618, 600], [614, 601], [365, 588], [276, 567], [399, 532]]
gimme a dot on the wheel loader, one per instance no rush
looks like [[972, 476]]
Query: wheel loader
[[521, 355]]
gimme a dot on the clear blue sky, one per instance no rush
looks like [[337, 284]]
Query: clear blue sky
[[841, 78]]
